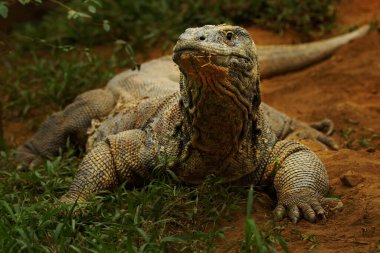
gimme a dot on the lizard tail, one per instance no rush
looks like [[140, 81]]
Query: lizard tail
[[279, 59]]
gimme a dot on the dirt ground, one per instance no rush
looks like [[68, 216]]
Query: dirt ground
[[346, 89]]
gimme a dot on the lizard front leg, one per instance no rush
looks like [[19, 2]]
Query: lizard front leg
[[124, 157], [300, 181], [72, 123]]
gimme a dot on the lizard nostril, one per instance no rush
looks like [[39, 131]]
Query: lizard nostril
[[202, 37]]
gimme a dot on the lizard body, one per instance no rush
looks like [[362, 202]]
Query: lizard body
[[214, 124]]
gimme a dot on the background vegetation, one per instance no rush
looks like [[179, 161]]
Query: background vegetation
[[79, 45]]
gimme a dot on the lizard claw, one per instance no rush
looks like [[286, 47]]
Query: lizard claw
[[327, 141], [326, 125], [307, 204]]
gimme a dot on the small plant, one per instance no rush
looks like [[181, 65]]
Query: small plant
[[307, 237], [257, 240], [353, 140], [3, 9], [53, 80]]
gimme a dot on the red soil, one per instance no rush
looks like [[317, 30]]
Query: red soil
[[346, 89]]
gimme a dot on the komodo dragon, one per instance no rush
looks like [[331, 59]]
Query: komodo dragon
[[215, 124]]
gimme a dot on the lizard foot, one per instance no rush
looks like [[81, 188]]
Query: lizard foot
[[307, 204], [326, 126], [27, 158], [313, 134]]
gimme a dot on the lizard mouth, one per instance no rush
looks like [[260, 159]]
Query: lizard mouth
[[197, 63], [194, 61], [205, 52]]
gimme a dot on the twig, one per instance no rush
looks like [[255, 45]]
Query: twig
[[350, 240], [61, 4]]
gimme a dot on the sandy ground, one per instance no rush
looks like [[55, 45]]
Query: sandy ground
[[346, 89]]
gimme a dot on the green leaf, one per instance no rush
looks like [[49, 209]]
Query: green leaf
[[120, 42], [173, 175], [106, 25], [172, 239], [58, 231], [143, 234], [283, 244], [9, 209], [3, 10], [92, 9], [74, 248], [23, 2], [130, 247], [96, 2], [72, 14], [83, 15], [250, 202]]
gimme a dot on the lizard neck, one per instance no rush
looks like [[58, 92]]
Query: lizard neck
[[217, 114]]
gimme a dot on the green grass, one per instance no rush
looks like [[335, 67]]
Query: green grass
[[352, 140], [257, 240], [162, 216]]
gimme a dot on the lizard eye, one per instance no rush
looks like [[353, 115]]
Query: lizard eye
[[229, 35]]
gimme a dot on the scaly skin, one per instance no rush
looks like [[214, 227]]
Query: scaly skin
[[160, 77], [215, 125]]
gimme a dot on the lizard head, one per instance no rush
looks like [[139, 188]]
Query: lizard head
[[219, 85], [201, 50]]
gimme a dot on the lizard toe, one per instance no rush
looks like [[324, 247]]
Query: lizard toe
[[318, 209], [279, 212], [327, 141], [294, 214], [326, 125], [308, 212]]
